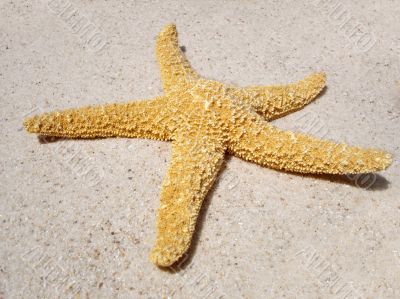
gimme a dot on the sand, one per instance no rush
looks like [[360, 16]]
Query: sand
[[78, 217]]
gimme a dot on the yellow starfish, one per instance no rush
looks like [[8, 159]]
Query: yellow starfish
[[205, 119]]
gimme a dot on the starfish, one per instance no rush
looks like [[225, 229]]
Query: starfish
[[205, 120]]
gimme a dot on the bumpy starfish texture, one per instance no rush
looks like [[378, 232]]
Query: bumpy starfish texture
[[206, 119]]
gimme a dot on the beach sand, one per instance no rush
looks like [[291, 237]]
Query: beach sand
[[78, 217]]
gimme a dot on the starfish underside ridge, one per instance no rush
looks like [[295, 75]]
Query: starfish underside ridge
[[206, 119]]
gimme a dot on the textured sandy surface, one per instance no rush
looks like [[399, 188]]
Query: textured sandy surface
[[78, 217]]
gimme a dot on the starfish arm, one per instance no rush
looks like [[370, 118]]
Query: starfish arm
[[142, 119], [276, 101], [175, 68], [266, 145], [192, 171]]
